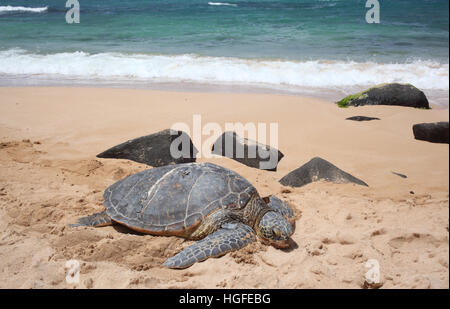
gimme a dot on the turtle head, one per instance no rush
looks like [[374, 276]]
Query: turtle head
[[275, 229]]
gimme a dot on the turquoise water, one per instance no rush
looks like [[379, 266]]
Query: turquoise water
[[283, 42], [285, 29]]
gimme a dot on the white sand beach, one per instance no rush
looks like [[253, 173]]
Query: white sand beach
[[50, 176]]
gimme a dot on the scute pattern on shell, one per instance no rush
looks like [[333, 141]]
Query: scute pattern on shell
[[174, 199]]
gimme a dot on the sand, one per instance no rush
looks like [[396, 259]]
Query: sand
[[49, 176]]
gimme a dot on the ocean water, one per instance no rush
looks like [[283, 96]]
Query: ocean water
[[285, 44]]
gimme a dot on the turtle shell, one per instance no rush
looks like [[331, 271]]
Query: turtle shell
[[174, 199]]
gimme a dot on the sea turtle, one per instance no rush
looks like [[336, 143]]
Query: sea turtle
[[197, 201]]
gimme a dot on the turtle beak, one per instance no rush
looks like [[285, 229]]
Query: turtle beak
[[279, 244]]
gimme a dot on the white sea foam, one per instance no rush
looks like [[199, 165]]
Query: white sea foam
[[9, 8], [192, 68], [222, 4]]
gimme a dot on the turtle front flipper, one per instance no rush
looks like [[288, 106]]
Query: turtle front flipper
[[230, 237], [97, 220]]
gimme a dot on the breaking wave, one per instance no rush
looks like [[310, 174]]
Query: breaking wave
[[222, 4], [8, 8], [200, 69]]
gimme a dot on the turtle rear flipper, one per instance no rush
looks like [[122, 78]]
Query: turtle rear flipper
[[230, 237], [97, 220]]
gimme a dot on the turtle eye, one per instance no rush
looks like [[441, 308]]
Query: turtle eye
[[277, 232]]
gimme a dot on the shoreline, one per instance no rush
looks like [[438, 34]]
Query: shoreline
[[324, 78], [438, 99], [49, 177]]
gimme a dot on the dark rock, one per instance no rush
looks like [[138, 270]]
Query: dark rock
[[155, 149], [388, 94], [318, 169], [400, 175], [362, 118], [247, 152], [435, 132]]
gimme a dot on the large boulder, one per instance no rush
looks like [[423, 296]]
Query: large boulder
[[318, 169], [435, 132], [388, 94], [248, 152], [158, 149]]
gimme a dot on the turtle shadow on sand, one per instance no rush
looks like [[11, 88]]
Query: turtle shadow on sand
[[204, 202], [292, 246], [125, 230]]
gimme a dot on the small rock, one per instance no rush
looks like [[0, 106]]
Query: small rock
[[435, 132], [400, 175], [361, 118]]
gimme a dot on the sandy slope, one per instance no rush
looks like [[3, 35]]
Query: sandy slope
[[49, 177]]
